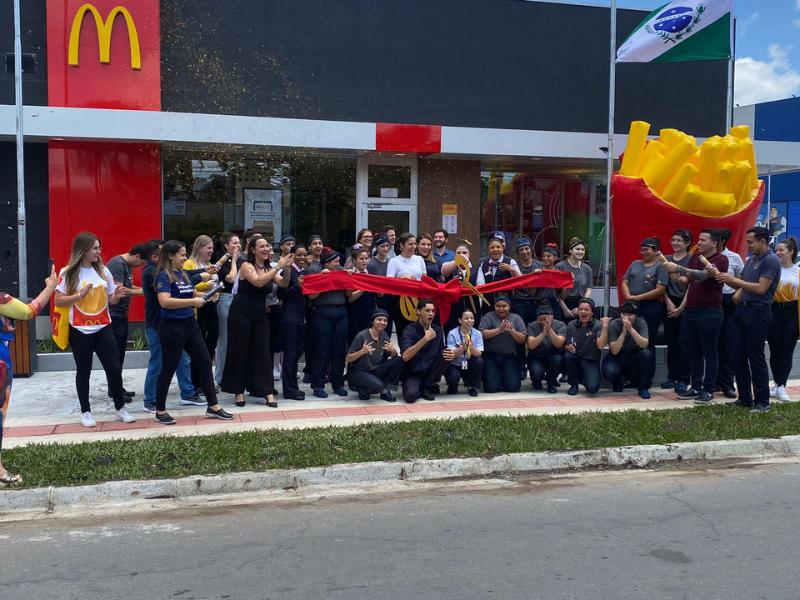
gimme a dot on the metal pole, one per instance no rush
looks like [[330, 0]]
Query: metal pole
[[22, 238], [612, 74], [729, 99]]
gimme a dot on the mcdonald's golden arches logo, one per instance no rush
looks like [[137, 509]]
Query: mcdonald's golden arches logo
[[104, 30]]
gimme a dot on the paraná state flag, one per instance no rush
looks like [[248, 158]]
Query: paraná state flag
[[681, 30]]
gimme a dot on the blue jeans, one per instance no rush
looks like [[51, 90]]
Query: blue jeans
[[701, 327], [183, 372]]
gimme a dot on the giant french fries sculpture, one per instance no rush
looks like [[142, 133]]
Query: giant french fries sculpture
[[670, 182]]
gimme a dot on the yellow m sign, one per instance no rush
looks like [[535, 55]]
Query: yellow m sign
[[104, 30]]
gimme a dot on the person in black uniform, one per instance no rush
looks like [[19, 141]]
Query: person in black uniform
[[374, 365], [546, 339], [586, 337], [425, 354], [330, 332], [293, 321], [360, 304], [628, 357], [248, 364]]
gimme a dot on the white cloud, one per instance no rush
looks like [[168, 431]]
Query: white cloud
[[758, 81], [744, 26]]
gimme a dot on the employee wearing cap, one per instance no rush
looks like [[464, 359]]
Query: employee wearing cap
[[755, 291], [374, 365], [523, 302], [378, 265], [546, 339], [329, 325], [586, 337], [628, 357], [502, 332], [645, 282], [285, 244], [497, 266]]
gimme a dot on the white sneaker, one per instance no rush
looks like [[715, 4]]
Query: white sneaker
[[87, 420], [124, 416], [782, 394], [773, 391]]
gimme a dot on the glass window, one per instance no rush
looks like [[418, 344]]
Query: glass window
[[210, 193], [547, 207], [388, 181]]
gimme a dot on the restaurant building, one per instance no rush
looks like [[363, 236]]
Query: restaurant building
[[168, 119]]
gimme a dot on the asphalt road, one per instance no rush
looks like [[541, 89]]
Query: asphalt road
[[696, 533]]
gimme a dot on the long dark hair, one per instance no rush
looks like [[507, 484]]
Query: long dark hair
[[791, 246], [251, 248], [168, 250]]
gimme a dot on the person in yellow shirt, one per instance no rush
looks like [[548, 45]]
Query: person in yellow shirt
[[12, 310], [783, 331]]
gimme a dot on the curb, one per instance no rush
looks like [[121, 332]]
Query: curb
[[48, 500]]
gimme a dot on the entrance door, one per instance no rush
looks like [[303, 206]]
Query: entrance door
[[387, 194]]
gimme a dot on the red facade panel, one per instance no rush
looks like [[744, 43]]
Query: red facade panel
[[393, 137]]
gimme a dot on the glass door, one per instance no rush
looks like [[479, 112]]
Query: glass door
[[387, 194]]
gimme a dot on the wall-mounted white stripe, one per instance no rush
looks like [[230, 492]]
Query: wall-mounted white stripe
[[746, 115]]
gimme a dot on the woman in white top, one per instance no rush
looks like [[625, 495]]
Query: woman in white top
[[405, 265], [87, 288], [783, 331]]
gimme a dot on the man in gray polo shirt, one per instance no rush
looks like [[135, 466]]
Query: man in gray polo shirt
[[628, 355]]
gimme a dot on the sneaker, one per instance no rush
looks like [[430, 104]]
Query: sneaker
[[617, 389], [680, 387], [363, 396], [452, 390], [124, 416], [669, 384], [782, 394], [165, 419], [320, 393], [689, 394], [87, 420], [773, 391], [149, 408], [703, 399], [573, 390], [472, 392], [341, 392], [761, 408], [644, 394], [729, 393], [388, 396], [426, 395], [219, 414], [434, 389], [738, 404], [193, 401], [537, 386], [551, 389]]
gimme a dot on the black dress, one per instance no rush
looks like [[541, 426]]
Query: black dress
[[248, 362]]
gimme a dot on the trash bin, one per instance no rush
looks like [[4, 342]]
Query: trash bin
[[23, 348]]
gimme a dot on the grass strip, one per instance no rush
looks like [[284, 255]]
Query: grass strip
[[472, 436]]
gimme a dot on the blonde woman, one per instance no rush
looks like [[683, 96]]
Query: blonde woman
[[87, 288], [207, 318]]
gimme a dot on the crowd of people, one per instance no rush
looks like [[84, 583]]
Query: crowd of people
[[236, 320]]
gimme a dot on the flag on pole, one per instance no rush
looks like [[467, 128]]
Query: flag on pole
[[681, 30]]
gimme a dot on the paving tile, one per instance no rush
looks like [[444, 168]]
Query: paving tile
[[120, 426], [500, 404], [305, 413], [30, 430], [539, 402], [275, 415], [73, 428], [419, 407], [346, 411], [387, 410]]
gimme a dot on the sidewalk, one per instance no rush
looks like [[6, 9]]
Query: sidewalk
[[44, 409]]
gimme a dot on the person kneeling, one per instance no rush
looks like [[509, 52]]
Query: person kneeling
[[424, 353], [502, 332], [546, 338], [586, 337], [628, 358], [466, 342], [373, 362]]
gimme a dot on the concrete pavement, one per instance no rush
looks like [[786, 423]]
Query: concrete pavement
[[44, 409]]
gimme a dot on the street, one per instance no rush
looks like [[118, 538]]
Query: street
[[690, 531]]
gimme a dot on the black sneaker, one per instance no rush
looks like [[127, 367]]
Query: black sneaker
[[388, 396], [363, 396], [573, 390], [729, 393], [551, 389], [434, 389], [617, 388], [426, 395], [219, 414], [760, 408], [537, 386], [739, 404], [165, 419], [472, 392], [689, 394], [703, 399], [452, 390]]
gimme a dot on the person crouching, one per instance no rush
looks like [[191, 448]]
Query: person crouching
[[373, 362], [424, 353], [628, 358], [466, 342], [546, 338]]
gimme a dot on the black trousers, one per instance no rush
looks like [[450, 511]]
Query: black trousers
[[677, 357], [724, 346], [178, 336], [415, 383], [208, 322], [294, 336], [119, 325], [633, 366], [750, 328], [581, 370], [544, 367], [472, 375], [501, 372], [84, 346], [248, 361], [782, 339], [701, 327], [652, 311], [375, 381], [330, 346]]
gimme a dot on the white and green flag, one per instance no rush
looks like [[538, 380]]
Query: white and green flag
[[681, 30]]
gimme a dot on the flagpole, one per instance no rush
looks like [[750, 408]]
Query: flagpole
[[612, 74], [22, 240], [729, 99]]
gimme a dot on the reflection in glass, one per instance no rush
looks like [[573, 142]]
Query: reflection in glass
[[388, 181]]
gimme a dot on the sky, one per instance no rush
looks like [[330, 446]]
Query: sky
[[767, 46]]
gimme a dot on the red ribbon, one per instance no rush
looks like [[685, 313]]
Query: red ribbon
[[443, 294]]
